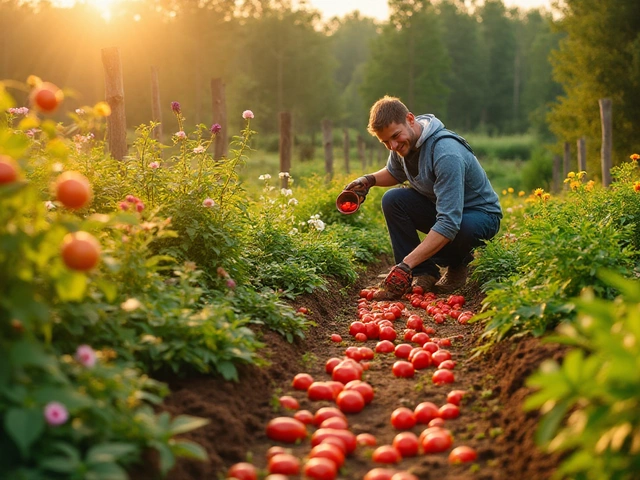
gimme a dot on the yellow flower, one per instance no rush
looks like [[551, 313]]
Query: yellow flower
[[634, 156], [504, 192], [571, 175], [636, 186], [581, 174], [589, 186], [510, 190], [538, 192], [33, 81], [546, 196], [574, 185], [521, 193], [102, 109]]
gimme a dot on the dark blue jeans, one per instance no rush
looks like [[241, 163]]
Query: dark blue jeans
[[407, 212]]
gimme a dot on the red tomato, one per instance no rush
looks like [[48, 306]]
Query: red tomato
[[372, 330], [442, 376], [415, 322], [327, 450], [406, 443], [345, 372], [320, 391], [331, 364], [448, 364], [361, 337], [436, 442], [449, 411], [436, 422], [384, 346], [304, 416], [365, 389], [286, 430], [408, 334], [379, 474], [420, 338], [364, 292], [336, 338], [338, 442], [80, 251], [335, 422], [387, 333], [320, 468], [46, 97], [444, 342], [327, 412], [303, 310], [403, 476], [336, 387], [350, 401], [464, 318], [386, 454], [430, 347], [455, 396], [289, 402], [366, 353], [366, 439], [402, 350], [284, 463], [403, 369], [421, 359], [302, 381], [8, 170], [455, 300], [276, 449], [73, 190], [462, 454], [357, 327], [396, 311], [425, 412], [440, 356], [346, 436], [403, 418], [353, 353], [242, 471]]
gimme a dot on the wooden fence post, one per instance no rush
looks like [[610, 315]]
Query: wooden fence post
[[156, 108], [556, 174], [566, 163], [370, 149], [285, 147], [361, 152], [607, 139], [346, 150], [327, 136], [219, 116], [582, 156], [114, 94]]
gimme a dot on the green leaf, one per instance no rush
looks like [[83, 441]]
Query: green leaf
[[106, 471], [167, 459], [71, 286], [227, 370], [109, 289], [24, 426], [549, 423], [58, 464], [109, 452], [25, 352], [186, 423], [187, 449]]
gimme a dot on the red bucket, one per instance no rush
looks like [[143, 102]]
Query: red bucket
[[348, 202]]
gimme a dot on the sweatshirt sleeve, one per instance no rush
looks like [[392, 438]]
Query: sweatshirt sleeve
[[448, 188]]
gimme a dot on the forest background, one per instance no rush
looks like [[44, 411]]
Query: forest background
[[479, 66]]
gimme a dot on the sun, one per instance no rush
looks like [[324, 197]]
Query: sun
[[103, 7]]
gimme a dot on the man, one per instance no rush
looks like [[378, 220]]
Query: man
[[450, 200]]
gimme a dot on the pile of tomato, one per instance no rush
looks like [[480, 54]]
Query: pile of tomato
[[348, 207], [416, 347]]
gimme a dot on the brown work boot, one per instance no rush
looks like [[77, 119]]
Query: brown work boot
[[427, 282], [454, 278]]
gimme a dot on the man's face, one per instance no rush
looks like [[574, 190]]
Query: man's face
[[400, 138]]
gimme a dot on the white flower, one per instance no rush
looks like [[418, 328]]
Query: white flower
[[208, 202], [49, 205], [198, 149], [284, 175], [79, 111], [247, 114], [316, 222], [130, 305], [154, 165], [293, 201], [264, 176], [293, 231], [286, 192]]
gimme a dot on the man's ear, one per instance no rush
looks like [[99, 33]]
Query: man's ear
[[411, 118]]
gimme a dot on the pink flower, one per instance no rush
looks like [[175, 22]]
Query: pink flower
[[175, 106], [55, 413], [247, 114], [131, 199], [124, 206], [208, 202], [154, 165], [181, 135], [231, 283], [139, 206], [86, 356], [198, 149], [215, 128]]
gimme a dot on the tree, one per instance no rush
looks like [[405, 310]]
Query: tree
[[598, 58]]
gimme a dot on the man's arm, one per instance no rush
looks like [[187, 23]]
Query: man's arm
[[431, 244], [384, 178]]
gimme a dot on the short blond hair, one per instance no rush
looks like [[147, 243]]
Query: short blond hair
[[386, 111]]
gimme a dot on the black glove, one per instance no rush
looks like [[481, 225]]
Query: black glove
[[399, 279], [360, 186]]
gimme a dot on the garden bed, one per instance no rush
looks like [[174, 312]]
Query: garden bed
[[491, 420]]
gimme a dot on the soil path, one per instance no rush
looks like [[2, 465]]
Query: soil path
[[491, 417]]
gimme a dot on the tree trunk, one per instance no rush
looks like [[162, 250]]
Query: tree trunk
[[114, 93], [285, 147], [219, 116], [607, 139]]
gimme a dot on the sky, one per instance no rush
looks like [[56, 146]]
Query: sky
[[379, 9]]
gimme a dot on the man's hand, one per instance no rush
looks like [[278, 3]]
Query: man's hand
[[399, 280], [360, 186]]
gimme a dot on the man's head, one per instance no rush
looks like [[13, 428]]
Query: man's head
[[394, 125]]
